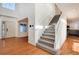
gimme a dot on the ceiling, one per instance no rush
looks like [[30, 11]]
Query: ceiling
[[71, 10]]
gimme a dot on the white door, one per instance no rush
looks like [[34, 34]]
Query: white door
[[8, 29], [3, 29], [11, 30]]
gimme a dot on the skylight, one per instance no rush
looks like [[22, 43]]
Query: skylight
[[10, 6]]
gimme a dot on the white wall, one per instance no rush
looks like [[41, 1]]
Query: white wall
[[43, 15], [28, 10], [57, 10], [0, 28], [74, 24], [60, 32], [71, 10]]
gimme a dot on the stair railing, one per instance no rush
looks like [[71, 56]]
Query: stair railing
[[45, 26], [60, 32]]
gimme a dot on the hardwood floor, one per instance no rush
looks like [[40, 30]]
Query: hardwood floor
[[71, 46], [20, 46]]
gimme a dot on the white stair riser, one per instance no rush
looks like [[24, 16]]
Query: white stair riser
[[49, 34], [50, 40], [46, 48]]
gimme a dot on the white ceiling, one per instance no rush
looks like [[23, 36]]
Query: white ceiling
[[71, 10]]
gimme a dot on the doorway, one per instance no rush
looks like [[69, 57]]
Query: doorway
[[23, 28], [4, 29], [73, 35]]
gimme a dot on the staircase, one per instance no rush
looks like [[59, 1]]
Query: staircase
[[47, 40]]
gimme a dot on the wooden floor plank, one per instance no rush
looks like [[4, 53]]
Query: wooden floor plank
[[67, 48], [20, 46]]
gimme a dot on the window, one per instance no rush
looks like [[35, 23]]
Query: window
[[10, 6], [23, 27]]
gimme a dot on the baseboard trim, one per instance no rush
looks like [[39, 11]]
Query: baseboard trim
[[14, 37], [22, 37], [32, 43], [8, 38]]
